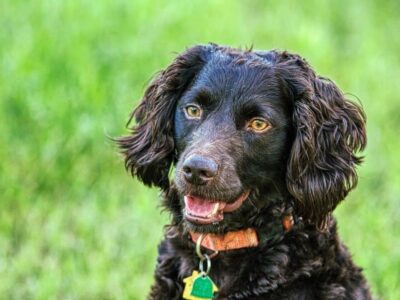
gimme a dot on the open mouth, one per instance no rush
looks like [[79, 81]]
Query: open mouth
[[206, 211]]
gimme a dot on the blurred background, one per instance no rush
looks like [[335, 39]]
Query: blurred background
[[73, 224]]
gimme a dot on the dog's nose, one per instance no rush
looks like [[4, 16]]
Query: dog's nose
[[199, 169]]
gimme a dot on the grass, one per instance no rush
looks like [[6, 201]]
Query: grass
[[73, 225]]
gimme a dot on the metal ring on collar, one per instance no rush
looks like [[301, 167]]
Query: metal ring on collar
[[201, 265], [198, 245]]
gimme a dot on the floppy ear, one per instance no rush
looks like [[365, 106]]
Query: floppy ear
[[329, 131], [149, 150]]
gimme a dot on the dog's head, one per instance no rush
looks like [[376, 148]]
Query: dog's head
[[243, 127]]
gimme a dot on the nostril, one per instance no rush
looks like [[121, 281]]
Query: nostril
[[187, 170], [206, 174]]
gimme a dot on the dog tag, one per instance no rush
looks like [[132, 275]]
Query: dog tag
[[199, 286]]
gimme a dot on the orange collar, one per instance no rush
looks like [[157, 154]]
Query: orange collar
[[245, 238]]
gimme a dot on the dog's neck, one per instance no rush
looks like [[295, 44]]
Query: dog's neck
[[233, 240]]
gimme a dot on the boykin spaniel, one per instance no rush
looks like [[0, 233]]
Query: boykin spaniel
[[263, 150]]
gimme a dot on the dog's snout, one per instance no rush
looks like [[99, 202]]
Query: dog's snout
[[199, 169]]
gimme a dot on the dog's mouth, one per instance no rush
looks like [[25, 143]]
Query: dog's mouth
[[206, 211]]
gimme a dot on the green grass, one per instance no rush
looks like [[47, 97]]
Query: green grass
[[73, 225]]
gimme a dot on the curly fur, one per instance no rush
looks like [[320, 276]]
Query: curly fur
[[307, 168]]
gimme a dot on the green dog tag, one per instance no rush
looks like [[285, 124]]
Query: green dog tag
[[199, 286], [203, 287]]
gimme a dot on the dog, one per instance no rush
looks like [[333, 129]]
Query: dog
[[263, 150]]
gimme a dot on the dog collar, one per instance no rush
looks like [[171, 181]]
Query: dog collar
[[245, 238]]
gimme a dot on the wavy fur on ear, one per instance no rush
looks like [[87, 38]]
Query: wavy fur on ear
[[149, 150], [329, 130]]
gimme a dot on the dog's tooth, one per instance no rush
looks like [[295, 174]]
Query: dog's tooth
[[215, 210], [222, 205]]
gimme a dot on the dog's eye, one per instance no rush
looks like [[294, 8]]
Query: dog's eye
[[193, 111], [258, 125]]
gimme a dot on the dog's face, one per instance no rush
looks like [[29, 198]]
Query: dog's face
[[232, 132], [242, 128]]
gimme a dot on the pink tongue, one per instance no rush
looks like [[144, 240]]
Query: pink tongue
[[199, 207]]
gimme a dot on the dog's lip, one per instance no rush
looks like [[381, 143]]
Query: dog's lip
[[206, 211]]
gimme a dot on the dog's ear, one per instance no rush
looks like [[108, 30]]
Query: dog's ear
[[149, 149], [329, 131]]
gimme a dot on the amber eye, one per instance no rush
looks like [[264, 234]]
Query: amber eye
[[193, 111], [258, 125]]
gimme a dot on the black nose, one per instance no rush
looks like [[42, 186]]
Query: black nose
[[199, 169]]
